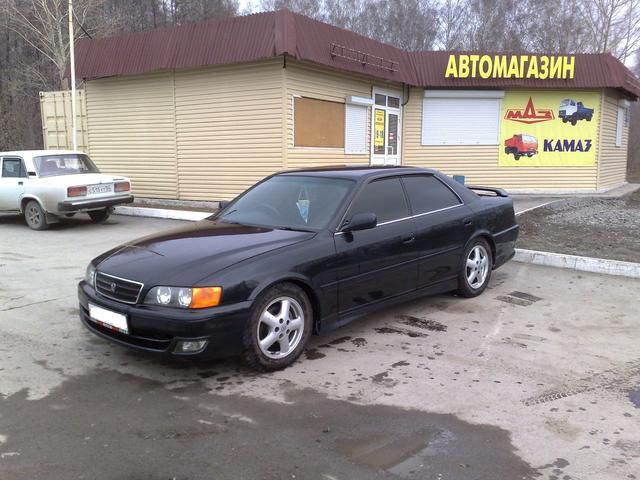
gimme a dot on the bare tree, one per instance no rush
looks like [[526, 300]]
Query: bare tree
[[452, 19], [614, 26], [43, 25]]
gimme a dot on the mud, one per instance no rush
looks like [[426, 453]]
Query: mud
[[591, 227]]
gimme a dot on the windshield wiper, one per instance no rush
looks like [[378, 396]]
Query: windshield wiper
[[294, 229]]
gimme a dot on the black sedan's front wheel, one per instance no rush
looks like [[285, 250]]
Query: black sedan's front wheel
[[279, 328], [475, 270]]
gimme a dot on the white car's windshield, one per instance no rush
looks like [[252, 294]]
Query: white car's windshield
[[294, 202], [64, 164]]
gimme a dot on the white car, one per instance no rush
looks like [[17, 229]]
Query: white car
[[46, 184]]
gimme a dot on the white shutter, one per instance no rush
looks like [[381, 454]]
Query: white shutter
[[619, 125], [460, 120], [355, 126]]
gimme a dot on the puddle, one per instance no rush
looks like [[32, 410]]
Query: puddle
[[313, 354], [514, 301], [185, 434], [525, 296], [634, 396], [423, 323], [340, 340], [399, 331], [359, 342]]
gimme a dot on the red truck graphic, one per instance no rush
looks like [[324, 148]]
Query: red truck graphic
[[521, 144]]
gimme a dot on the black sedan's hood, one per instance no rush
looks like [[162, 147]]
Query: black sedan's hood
[[183, 256]]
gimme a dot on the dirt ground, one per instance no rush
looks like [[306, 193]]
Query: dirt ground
[[591, 227]]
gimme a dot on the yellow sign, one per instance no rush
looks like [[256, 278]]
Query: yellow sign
[[378, 141], [540, 67], [549, 129]]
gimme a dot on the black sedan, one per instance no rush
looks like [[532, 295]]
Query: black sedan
[[299, 253]]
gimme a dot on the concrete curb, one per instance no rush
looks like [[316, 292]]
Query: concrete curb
[[575, 262], [162, 213]]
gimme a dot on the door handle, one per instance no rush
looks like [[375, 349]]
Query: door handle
[[408, 238], [20, 183], [467, 222]]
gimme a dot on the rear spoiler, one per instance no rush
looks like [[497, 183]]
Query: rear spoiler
[[497, 191]]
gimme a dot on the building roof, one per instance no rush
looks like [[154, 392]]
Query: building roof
[[282, 33]]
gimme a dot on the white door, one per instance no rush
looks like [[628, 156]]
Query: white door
[[385, 128], [12, 178]]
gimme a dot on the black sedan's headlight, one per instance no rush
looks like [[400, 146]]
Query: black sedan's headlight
[[184, 297], [90, 275]]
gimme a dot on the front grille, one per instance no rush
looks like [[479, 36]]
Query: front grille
[[116, 288]]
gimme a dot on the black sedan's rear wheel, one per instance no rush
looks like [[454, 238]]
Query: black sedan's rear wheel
[[279, 328], [475, 270]]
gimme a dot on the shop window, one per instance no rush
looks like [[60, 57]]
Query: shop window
[[318, 123], [620, 124], [461, 117]]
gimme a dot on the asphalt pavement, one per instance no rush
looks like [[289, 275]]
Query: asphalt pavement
[[537, 378]]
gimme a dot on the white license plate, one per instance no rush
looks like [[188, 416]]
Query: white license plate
[[93, 189], [113, 320]]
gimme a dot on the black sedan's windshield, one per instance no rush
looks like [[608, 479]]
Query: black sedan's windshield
[[289, 201]]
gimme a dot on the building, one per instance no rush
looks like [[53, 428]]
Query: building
[[203, 111]]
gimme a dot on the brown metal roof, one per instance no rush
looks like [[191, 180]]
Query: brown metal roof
[[272, 34]]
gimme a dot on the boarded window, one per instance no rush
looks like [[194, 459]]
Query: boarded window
[[318, 123]]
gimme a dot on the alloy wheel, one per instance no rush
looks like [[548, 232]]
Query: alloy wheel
[[280, 327], [477, 267]]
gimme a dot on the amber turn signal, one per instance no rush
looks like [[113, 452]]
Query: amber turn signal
[[205, 297]]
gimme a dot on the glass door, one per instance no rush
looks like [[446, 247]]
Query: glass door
[[385, 124]]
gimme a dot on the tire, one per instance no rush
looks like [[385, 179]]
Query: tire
[[472, 262], [564, 119], [268, 320], [589, 118], [35, 216], [574, 121], [516, 156], [99, 216]]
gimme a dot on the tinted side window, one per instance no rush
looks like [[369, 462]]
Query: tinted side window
[[427, 193], [384, 197], [12, 167]]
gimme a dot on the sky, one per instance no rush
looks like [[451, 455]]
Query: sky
[[248, 6]]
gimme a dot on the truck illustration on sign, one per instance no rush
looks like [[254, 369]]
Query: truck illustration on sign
[[520, 145], [572, 111]]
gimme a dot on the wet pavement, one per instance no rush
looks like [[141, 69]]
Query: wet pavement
[[537, 378]]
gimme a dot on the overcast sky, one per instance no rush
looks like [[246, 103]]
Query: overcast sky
[[248, 6]]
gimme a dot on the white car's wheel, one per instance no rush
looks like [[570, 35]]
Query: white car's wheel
[[35, 216]]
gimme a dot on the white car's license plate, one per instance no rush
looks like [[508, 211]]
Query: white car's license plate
[[113, 320], [93, 189]]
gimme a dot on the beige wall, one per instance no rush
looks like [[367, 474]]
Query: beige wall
[[479, 163], [229, 128], [612, 167], [131, 124], [306, 81], [204, 134]]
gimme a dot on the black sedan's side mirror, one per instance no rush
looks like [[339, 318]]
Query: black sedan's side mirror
[[361, 221]]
